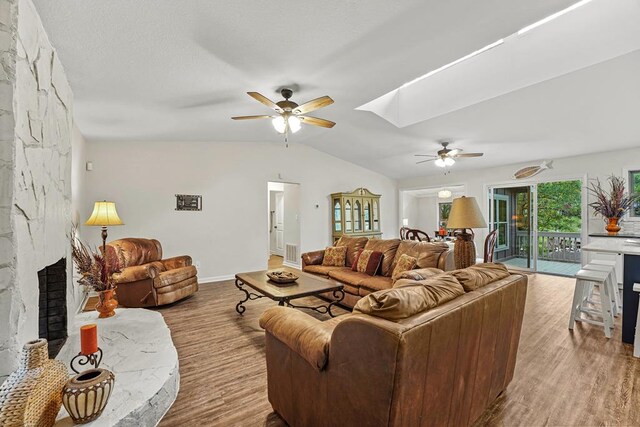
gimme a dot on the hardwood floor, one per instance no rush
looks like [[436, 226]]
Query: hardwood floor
[[562, 378], [275, 261]]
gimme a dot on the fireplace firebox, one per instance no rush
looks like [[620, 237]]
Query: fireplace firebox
[[53, 305]]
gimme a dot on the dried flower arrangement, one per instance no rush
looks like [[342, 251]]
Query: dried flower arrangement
[[95, 268], [613, 204]]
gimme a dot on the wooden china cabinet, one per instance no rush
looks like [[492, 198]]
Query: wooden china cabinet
[[355, 214]]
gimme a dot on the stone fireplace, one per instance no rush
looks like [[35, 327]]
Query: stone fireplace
[[35, 182]]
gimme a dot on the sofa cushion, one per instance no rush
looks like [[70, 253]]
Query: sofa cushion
[[388, 248], [136, 251], [335, 256], [347, 276], [373, 284], [369, 262], [480, 275], [322, 269], [419, 274], [405, 263], [405, 301], [168, 278], [353, 244], [427, 253]]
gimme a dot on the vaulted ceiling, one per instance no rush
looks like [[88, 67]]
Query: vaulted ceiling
[[159, 70]]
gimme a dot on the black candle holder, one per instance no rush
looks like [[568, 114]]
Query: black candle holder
[[92, 359]]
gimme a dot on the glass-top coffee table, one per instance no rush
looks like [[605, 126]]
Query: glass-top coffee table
[[306, 285]]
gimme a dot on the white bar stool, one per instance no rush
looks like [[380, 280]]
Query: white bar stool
[[636, 340], [611, 264], [611, 282], [581, 300]]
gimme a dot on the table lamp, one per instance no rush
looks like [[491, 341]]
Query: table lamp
[[104, 214], [465, 214]]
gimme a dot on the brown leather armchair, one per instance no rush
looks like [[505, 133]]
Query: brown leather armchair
[[147, 280]]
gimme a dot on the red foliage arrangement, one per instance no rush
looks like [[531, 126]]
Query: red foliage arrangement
[[96, 269], [613, 204]]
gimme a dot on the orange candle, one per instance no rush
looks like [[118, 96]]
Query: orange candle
[[89, 339]]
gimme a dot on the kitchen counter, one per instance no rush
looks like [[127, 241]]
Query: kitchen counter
[[618, 236]]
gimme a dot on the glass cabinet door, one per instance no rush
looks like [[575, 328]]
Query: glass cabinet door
[[367, 215], [376, 216], [357, 215], [347, 216], [337, 215]]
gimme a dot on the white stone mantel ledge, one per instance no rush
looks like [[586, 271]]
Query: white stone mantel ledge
[[137, 347]]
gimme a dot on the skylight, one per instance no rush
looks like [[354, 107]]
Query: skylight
[[562, 43]]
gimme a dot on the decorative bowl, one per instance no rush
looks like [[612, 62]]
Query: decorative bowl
[[282, 276]]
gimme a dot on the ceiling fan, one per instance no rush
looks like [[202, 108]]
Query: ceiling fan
[[290, 116], [447, 156]]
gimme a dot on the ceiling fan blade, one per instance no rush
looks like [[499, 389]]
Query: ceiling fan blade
[[425, 155], [317, 122], [250, 117], [266, 101], [313, 105], [424, 161], [469, 155]]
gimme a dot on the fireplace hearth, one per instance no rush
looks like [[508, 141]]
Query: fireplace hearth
[[52, 305]]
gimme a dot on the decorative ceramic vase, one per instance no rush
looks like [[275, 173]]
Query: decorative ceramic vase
[[85, 395], [106, 305], [612, 226], [31, 395], [464, 251]]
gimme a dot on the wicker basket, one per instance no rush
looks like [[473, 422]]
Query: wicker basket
[[31, 396]]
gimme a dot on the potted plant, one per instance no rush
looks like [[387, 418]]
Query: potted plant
[[97, 271], [614, 204]]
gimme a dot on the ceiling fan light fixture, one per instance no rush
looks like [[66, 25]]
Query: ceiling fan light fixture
[[279, 124], [448, 161], [294, 123], [440, 162]]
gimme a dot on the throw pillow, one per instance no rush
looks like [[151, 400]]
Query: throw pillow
[[354, 266], [369, 262], [335, 256], [405, 263]]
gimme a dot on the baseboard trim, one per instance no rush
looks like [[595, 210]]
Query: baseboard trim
[[289, 264], [215, 279]]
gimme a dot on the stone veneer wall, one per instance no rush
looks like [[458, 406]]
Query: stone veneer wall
[[35, 171]]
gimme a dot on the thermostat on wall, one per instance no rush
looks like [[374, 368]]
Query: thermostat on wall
[[188, 202]]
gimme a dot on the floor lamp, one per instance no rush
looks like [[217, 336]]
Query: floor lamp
[[465, 214], [104, 214]]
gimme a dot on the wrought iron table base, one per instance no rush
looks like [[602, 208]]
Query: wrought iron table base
[[240, 308], [338, 296]]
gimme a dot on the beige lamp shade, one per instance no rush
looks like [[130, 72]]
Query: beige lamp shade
[[104, 214], [465, 213]]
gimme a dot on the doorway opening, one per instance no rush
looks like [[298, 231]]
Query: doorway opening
[[284, 225], [427, 209], [539, 226]]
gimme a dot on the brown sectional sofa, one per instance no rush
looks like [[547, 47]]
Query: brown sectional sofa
[[430, 255], [430, 352]]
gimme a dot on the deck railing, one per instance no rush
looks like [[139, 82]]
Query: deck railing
[[563, 247]]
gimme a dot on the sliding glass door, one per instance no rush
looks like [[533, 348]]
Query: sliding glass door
[[539, 226], [511, 214]]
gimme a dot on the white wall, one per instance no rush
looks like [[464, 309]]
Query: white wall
[[291, 217], [230, 234], [593, 166]]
